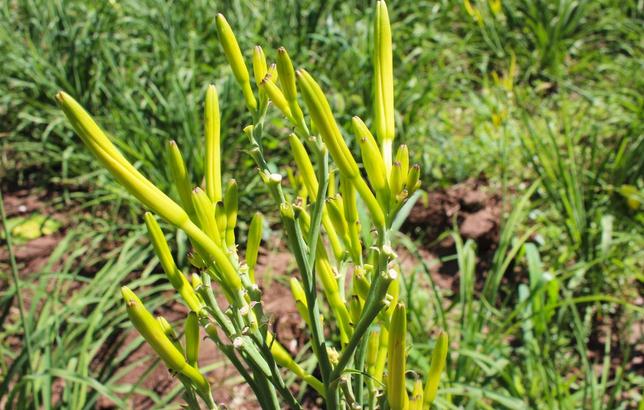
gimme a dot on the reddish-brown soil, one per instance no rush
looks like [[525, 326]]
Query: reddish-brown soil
[[466, 206]]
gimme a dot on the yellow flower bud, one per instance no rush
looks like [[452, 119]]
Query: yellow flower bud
[[259, 64], [253, 242], [402, 157], [220, 217], [397, 357], [439, 357], [205, 214], [180, 175], [235, 59], [155, 336], [371, 156], [383, 82], [328, 128], [336, 214], [230, 208], [416, 400], [381, 360], [304, 165], [396, 179], [213, 145], [128, 176], [353, 222], [272, 72], [330, 133], [276, 96], [176, 278], [170, 333], [286, 74], [287, 81], [332, 293], [191, 332], [413, 179], [372, 349], [355, 309], [300, 300]]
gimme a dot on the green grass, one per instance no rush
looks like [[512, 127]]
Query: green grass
[[567, 117]]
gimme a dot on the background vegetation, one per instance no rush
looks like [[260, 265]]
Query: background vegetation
[[544, 98]]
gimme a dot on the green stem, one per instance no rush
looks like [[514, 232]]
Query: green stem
[[279, 381], [375, 302]]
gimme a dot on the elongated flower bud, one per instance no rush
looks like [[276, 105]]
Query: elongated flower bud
[[372, 348], [230, 208], [336, 214], [235, 59], [333, 296], [402, 157], [220, 217], [413, 179], [416, 400], [272, 72], [381, 360], [169, 332], [162, 250], [307, 173], [371, 156], [304, 165], [396, 357], [154, 334], [213, 145], [287, 81], [180, 175], [328, 128], [353, 221], [300, 300], [192, 339], [383, 79], [253, 242], [287, 74], [205, 214], [396, 179], [355, 309], [276, 96], [439, 357], [128, 176], [259, 64], [259, 72]]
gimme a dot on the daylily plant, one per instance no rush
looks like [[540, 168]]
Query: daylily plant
[[355, 268]]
